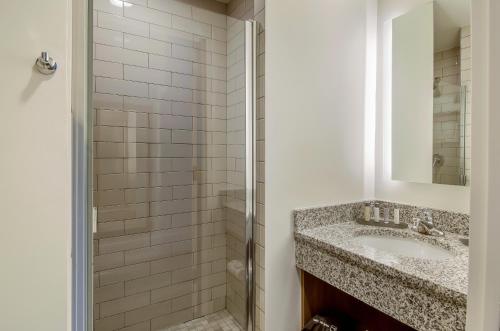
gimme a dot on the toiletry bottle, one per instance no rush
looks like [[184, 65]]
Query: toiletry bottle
[[367, 212], [396, 216], [386, 215], [376, 213]]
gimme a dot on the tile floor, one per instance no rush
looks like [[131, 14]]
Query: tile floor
[[220, 321]]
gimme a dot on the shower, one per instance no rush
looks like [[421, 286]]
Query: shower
[[173, 167]]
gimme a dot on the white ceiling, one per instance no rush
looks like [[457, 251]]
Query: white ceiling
[[449, 17]]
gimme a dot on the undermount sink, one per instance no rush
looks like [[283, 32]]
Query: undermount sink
[[405, 247]]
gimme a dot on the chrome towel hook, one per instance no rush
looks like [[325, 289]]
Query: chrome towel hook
[[45, 64]]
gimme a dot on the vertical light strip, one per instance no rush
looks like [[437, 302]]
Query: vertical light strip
[[387, 104], [370, 99], [250, 168]]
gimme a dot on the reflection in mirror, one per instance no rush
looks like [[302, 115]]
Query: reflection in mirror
[[431, 87], [451, 135]]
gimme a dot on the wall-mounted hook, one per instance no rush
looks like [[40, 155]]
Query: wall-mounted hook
[[45, 64]]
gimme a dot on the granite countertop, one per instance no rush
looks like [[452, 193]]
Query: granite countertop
[[446, 277], [424, 293]]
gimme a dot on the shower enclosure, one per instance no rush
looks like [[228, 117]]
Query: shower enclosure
[[450, 136], [173, 167], [451, 115]]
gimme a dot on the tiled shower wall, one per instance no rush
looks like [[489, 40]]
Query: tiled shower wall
[[451, 139], [160, 163], [255, 9], [447, 116]]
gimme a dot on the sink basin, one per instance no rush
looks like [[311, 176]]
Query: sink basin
[[406, 247]]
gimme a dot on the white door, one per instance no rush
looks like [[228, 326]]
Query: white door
[[35, 166]]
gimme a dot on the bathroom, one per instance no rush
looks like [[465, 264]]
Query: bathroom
[[250, 165]]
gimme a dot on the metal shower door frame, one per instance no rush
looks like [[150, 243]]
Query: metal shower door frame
[[250, 166], [81, 146]]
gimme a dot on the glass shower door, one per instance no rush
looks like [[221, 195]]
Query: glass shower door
[[240, 169], [173, 167]]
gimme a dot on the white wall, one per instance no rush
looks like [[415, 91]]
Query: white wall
[[315, 80], [35, 200], [484, 263], [455, 198]]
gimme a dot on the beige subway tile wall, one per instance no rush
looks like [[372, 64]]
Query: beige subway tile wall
[[447, 116], [452, 117], [159, 163]]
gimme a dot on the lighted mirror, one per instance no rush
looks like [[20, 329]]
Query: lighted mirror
[[431, 88]]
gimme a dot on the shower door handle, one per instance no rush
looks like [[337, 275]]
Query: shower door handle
[[94, 219]]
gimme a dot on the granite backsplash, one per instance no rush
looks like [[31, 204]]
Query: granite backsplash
[[444, 220]]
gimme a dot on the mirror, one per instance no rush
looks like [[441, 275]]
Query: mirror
[[431, 88]]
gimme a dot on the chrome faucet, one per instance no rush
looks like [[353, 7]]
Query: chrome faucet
[[426, 226]]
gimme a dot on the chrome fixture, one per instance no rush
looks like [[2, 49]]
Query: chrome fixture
[[426, 226], [437, 91], [462, 178], [45, 64], [250, 168], [428, 217], [437, 160]]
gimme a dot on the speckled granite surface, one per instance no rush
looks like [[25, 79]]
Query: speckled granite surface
[[314, 217], [444, 220], [425, 294]]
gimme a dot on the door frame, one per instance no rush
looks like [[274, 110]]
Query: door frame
[[250, 167], [81, 243]]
